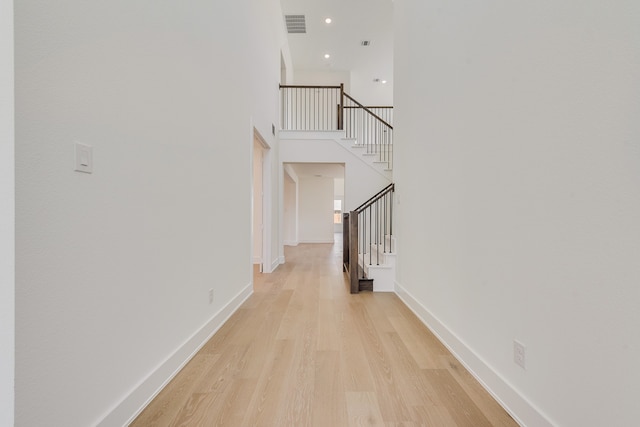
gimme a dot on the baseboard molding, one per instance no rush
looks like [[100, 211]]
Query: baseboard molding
[[281, 259], [317, 241], [131, 406], [276, 262], [290, 243], [522, 411], [257, 260]]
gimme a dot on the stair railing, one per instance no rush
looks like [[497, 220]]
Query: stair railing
[[367, 229], [316, 108], [369, 129], [326, 108]]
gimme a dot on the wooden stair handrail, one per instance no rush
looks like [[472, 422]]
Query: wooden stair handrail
[[369, 111], [377, 196]]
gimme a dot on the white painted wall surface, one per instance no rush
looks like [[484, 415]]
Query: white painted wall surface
[[338, 187], [518, 173], [257, 202], [315, 213], [323, 78], [370, 93], [361, 181], [7, 220], [114, 268], [290, 213], [268, 45]]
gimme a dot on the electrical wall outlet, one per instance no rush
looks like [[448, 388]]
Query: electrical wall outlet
[[210, 296], [519, 353]]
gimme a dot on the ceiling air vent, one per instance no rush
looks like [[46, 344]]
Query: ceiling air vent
[[295, 24], [365, 42]]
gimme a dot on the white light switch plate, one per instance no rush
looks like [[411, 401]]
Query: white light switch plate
[[84, 158], [519, 353]]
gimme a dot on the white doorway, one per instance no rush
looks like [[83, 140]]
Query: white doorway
[[261, 203], [313, 200]]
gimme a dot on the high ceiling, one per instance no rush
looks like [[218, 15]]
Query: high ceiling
[[353, 21]]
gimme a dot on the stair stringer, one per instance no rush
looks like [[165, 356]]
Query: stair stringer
[[380, 265]]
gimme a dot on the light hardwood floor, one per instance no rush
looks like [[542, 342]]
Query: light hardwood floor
[[302, 351]]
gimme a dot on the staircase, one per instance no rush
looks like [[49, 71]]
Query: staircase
[[368, 244], [321, 113], [329, 108]]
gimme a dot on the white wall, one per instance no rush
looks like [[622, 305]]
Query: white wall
[[361, 181], [338, 187], [268, 45], [257, 202], [290, 211], [315, 212], [7, 223], [114, 268], [517, 164], [370, 93], [358, 84], [323, 78]]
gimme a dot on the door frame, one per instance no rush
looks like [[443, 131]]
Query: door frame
[[265, 264]]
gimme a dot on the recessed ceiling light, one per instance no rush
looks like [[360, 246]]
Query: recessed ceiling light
[[384, 81], [328, 20], [327, 56]]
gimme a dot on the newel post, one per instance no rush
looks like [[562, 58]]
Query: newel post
[[353, 252]]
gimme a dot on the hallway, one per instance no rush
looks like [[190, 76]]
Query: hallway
[[303, 351]]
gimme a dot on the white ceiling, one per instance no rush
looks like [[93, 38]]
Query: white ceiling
[[353, 22]]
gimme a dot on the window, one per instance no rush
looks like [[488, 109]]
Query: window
[[337, 211]]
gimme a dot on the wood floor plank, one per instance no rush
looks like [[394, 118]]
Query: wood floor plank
[[234, 407], [354, 368], [329, 326], [496, 415], [392, 407], [269, 394], [363, 409], [461, 408], [303, 351], [329, 405], [297, 403], [422, 353], [175, 395]]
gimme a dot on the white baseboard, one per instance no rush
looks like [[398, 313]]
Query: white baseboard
[[131, 406], [522, 411], [257, 260], [274, 264], [290, 243], [317, 241]]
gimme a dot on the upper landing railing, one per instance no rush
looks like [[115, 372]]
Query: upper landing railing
[[326, 108]]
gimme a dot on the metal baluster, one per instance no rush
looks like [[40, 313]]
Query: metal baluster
[[364, 239], [391, 222], [384, 235], [370, 235], [377, 233]]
